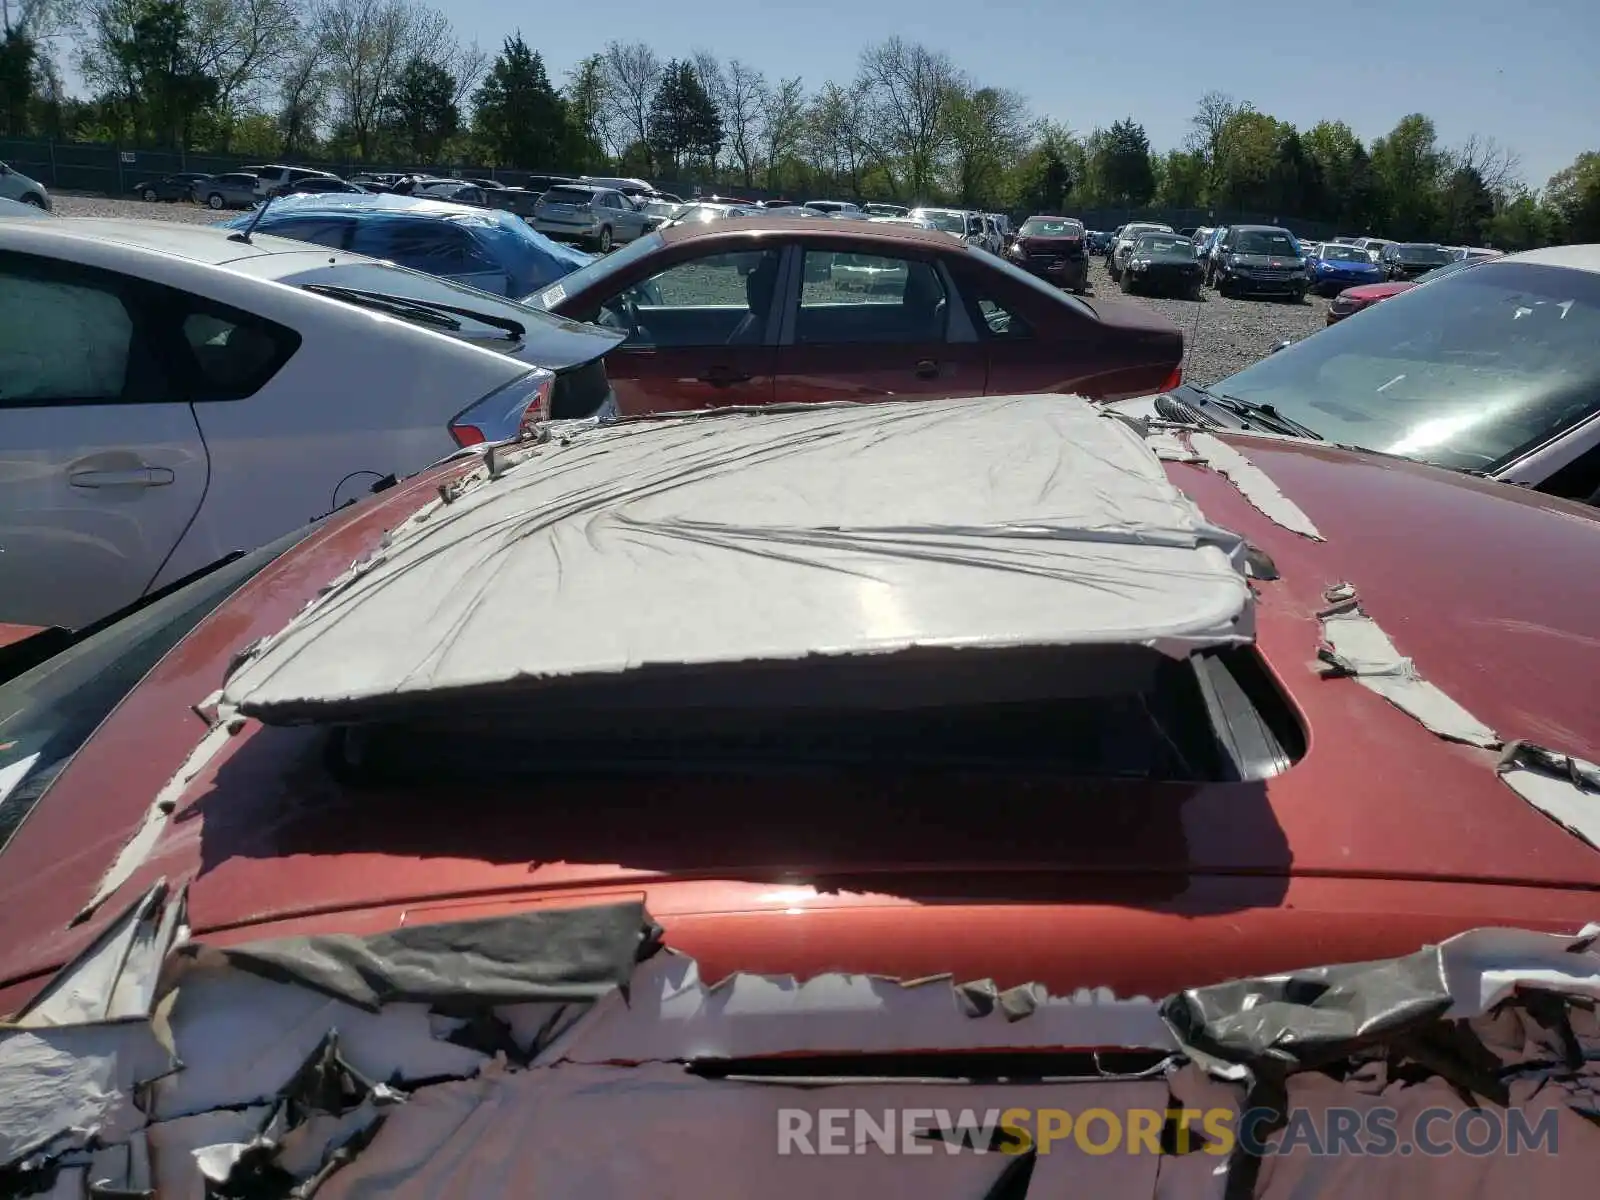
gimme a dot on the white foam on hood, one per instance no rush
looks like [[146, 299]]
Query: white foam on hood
[[745, 537]]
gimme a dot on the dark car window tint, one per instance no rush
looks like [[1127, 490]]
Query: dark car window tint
[[48, 712], [234, 353], [853, 298], [324, 231], [563, 195], [716, 300], [437, 247]]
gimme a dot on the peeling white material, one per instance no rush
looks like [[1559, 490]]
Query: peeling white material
[[770, 537], [1169, 446], [1254, 484], [62, 1087], [115, 978], [1485, 966], [1361, 647], [241, 1038], [671, 1015], [184, 1149], [137, 850], [1570, 797]]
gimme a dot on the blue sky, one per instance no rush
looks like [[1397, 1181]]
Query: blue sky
[[1525, 72]]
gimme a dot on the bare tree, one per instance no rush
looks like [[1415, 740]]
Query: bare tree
[[783, 123], [242, 44], [1499, 167], [742, 95], [302, 97], [434, 40], [1208, 129], [833, 133], [632, 72], [908, 93]]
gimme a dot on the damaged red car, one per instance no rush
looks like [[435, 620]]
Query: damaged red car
[[688, 779], [765, 310]]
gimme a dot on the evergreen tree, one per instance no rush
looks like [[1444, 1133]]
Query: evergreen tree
[[684, 125], [518, 117], [420, 107]]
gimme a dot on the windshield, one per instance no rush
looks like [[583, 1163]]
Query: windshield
[[1050, 227], [1163, 243], [948, 222], [1470, 372], [1448, 269], [1332, 253], [1265, 241], [1425, 254], [599, 269], [48, 712]]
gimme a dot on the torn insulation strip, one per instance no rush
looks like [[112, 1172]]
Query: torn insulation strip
[[1254, 484], [1564, 788], [1359, 648]]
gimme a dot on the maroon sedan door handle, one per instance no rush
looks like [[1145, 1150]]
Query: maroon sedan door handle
[[724, 376], [927, 368]]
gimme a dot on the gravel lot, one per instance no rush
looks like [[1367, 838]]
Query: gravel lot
[[1221, 336]]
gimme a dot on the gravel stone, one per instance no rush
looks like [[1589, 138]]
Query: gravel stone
[[79, 205], [1220, 336]]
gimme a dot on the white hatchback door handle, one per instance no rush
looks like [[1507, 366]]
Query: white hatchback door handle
[[138, 477]]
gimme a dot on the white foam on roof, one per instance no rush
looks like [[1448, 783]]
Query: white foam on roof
[[772, 536]]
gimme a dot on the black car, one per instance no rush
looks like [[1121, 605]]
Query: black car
[[1163, 262], [1259, 260], [1407, 260], [178, 186]]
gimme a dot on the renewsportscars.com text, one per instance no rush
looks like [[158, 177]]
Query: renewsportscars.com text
[[1334, 1131]]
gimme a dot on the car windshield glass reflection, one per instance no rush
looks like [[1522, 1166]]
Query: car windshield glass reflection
[[1424, 254], [1156, 244], [1469, 372], [1344, 254], [949, 222], [1257, 241], [1036, 228]]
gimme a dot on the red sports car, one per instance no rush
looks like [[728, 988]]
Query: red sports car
[[766, 310], [894, 724]]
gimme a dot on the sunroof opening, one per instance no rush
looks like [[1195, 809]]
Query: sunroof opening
[[1135, 714]]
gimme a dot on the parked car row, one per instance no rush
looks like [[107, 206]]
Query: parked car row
[[392, 661]]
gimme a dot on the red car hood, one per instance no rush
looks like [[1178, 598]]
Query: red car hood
[[1382, 837], [1367, 293]]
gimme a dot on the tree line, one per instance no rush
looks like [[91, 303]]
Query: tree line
[[390, 81]]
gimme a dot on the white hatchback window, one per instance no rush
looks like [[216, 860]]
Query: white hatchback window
[[61, 341]]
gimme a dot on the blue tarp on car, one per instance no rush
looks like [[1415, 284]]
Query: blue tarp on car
[[530, 259]]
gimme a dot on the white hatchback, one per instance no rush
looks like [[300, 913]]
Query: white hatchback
[[170, 395]]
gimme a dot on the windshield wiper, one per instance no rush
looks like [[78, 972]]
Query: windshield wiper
[[388, 304], [1265, 414]]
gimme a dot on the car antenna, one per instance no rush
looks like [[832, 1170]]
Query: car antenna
[[244, 234]]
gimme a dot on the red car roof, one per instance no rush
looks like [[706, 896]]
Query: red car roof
[[1382, 837]]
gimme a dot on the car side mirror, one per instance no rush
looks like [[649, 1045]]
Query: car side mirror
[[4, 170]]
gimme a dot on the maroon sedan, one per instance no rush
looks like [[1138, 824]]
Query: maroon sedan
[[1053, 248], [318, 869], [773, 309]]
